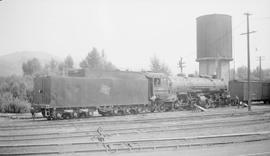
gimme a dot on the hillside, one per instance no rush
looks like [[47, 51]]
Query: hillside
[[12, 63]]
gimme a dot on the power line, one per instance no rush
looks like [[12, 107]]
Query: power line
[[261, 18]]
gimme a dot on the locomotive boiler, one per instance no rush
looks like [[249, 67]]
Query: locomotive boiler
[[180, 92], [122, 92]]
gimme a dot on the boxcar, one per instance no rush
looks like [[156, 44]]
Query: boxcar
[[266, 91], [259, 90]]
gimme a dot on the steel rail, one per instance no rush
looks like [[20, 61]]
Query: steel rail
[[156, 144], [105, 122], [124, 131]]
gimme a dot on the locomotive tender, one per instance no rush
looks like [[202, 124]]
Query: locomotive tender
[[122, 92]]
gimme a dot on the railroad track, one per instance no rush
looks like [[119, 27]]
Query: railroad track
[[168, 133], [33, 125], [88, 128], [29, 139], [136, 145]]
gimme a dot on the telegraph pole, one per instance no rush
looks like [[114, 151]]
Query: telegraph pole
[[181, 64], [248, 55], [248, 59], [260, 67]]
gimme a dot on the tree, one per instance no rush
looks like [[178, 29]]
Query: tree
[[53, 64], [108, 66], [31, 66], [266, 74], [157, 66], [92, 60], [256, 73], [96, 61], [16, 93], [54, 67], [83, 64], [241, 72], [232, 74], [69, 62], [61, 68]]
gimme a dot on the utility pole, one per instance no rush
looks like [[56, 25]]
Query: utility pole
[[181, 64], [234, 73], [260, 67], [248, 59]]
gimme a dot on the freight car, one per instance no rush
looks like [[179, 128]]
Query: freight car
[[119, 93], [259, 90]]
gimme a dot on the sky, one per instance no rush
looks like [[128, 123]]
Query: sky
[[130, 32]]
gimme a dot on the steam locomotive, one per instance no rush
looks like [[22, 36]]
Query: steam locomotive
[[123, 92]]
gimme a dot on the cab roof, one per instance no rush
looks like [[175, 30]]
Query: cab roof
[[155, 75]]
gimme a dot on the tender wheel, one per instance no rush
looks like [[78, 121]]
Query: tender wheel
[[120, 112], [140, 110], [133, 111], [82, 115], [162, 108], [66, 116]]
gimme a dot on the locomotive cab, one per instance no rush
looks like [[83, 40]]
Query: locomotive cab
[[158, 85]]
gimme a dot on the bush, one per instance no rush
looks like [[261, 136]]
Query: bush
[[15, 94], [8, 104]]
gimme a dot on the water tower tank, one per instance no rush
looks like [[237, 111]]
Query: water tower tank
[[214, 45]]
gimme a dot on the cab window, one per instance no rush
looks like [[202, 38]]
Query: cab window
[[157, 81]]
